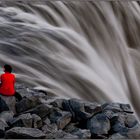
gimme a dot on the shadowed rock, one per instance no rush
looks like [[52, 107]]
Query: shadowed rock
[[24, 133]]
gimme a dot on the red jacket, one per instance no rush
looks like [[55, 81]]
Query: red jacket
[[7, 84]]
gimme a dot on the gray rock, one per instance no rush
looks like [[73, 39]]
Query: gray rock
[[6, 115], [24, 120], [61, 118], [46, 121], [41, 110], [134, 133], [27, 103], [117, 136], [37, 122], [82, 133], [99, 124], [10, 102], [58, 103], [115, 107], [24, 133], [60, 135], [49, 128], [71, 127], [3, 126], [126, 108]]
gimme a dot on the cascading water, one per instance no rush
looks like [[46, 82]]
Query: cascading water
[[87, 50]]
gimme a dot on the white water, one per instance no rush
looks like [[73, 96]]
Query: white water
[[87, 50]]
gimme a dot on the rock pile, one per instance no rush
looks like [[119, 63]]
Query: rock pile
[[33, 114]]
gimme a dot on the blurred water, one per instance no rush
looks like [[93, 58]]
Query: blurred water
[[87, 50]]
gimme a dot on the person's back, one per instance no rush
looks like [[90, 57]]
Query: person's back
[[7, 82]]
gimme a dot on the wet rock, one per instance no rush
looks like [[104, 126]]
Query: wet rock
[[37, 122], [24, 120], [82, 133], [60, 135], [7, 103], [99, 124], [26, 104], [24, 133], [61, 118], [3, 126]]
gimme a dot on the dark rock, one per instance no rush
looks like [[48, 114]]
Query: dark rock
[[58, 103], [126, 108], [115, 107], [6, 115], [99, 124], [26, 104], [24, 133], [71, 127], [60, 135], [41, 110], [7, 103], [92, 108], [61, 118], [3, 126], [82, 133], [24, 120], [37, 122]]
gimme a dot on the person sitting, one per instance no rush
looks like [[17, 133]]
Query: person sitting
[[7, 82]]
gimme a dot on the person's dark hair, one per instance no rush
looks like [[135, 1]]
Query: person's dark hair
[[7, 68]]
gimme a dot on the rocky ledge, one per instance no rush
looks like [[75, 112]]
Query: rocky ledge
[[34, 114]]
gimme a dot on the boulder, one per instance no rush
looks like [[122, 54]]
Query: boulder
[[27, 103], [24, 133], [41, 110], [6, 115], [99, 124], [49, 128], [82, 133], [3, 126], [7, 103], [71, 127], [61, 118], [24, 120], [117, 136], [60, 135], [37, 122]]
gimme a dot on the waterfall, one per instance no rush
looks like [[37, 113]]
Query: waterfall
[[87, 50]]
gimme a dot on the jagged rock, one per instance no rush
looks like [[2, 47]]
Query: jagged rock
[[37, 122], [46, 121], [24, 133], [60, 135], [49, 128], [41, 110], [71, 127], [117, 136], [24, 120], [3, 126], [126, 108], [27, 103], [7, 103], [58, 103], [99, 124], [80, 110], [6, 115], [115, 107], [82, 133], [61, 118]]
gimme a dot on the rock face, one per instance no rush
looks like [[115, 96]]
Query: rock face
[[33, 114]]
